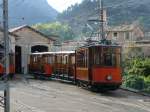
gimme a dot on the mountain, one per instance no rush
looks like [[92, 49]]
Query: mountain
[[29, 12], [118, 12]]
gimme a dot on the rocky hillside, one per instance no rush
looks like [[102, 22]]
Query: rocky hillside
[[29, 12], [118, 12]]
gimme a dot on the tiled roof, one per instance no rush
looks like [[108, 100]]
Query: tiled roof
[[121, 28], [26, 26], [1, 29]]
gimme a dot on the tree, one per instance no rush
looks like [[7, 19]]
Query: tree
[[64, 31]]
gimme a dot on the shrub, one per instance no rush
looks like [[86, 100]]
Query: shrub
[[138, 66], [147, 84], [135, 82]]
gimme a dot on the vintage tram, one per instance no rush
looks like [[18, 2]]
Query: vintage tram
[[11, 65], [96, 66], [99, 66]]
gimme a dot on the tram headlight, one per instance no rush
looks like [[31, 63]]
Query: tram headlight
[[109, 77]]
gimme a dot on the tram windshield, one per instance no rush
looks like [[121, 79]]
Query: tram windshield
[[106, 56]]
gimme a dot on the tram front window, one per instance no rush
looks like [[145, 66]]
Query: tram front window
[[111, 57], [106, 56]]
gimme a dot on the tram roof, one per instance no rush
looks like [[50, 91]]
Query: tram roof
[[41, 53], [99, 45], [58, 52], [65, 52]]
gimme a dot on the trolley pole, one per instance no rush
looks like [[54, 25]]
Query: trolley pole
[[102, 19], [6, 54]]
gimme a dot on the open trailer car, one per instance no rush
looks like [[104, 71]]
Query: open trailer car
[[64, 65], [53, 64], [98, 66], [41, 64]]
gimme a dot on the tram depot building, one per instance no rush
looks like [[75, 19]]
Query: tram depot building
[[25, 40]]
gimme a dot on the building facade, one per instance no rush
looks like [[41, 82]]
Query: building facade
[[125, 33], [29, 41]]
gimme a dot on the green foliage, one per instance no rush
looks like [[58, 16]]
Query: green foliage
[[64, 31], [147, 83], [135, 82], [77, 15], [137, 74], [139, 66]]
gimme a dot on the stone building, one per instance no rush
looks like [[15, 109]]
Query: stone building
[[12, 40], [125, 33], [30, 40]]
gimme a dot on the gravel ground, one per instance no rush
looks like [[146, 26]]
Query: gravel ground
[[53, 96]]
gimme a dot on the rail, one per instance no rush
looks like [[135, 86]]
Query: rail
[[135, 91]]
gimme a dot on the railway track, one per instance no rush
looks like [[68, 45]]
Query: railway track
[[135, 91], [121, 88]]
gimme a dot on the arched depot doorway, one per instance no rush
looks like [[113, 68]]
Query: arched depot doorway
[[39, 48]]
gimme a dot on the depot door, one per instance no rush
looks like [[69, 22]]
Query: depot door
[[18, 59]]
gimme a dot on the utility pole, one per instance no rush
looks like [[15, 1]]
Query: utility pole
[[102, 19], [6, 44]]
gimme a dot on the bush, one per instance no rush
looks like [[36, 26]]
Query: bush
[[147, 90], [147, 84], [134, 82], [138, 66], [137, 74]]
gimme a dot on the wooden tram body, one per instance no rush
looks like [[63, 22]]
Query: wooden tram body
[[11, 66], [99, 66], [48, 63], [41, 64]]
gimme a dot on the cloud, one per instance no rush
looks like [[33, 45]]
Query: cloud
[[61, 5]]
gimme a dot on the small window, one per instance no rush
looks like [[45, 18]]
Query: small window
[[35, 59], [115, 35]]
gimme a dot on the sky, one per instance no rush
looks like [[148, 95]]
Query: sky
[[61, 5]]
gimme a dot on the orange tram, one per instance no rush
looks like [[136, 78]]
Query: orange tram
[[11, 66], [96, 66]]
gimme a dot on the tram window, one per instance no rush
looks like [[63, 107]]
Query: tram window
[[1, 56], [82, 58], [118, 60], [107, 60], [65, 59], [111, 57], [49, 60], [44, 60], [59, 59], [34, 59], [73, 60], [96, 54]]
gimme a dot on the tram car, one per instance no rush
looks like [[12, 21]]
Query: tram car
[[11, 66], [53, 64], [41, 64], [99, 66], [64, 66]]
